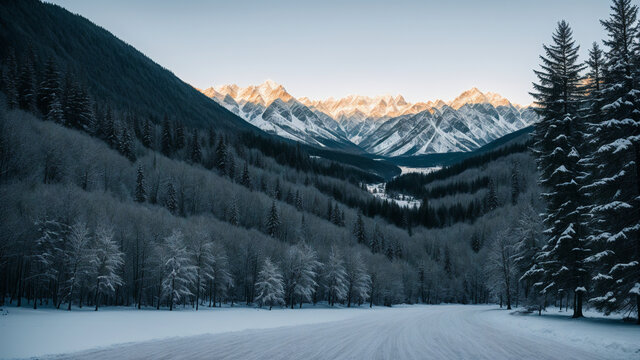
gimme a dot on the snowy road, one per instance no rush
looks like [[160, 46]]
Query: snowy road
[[435, 332]]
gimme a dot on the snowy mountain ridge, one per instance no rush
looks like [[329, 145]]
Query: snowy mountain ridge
[[384, 125]]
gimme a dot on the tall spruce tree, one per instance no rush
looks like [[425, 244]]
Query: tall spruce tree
[[615, 169], [273, 220], [167, 140], [558, 94], [196, 151]]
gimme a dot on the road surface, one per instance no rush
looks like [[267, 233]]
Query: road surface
[[437, 332]]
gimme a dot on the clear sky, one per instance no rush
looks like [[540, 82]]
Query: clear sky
[[422, 49]]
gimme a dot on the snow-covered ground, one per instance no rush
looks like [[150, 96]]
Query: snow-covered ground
[[421, 170], [379, 191], [402, 332]]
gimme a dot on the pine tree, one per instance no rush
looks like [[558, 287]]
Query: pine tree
[[126, 144], [170, 201], [196, 151], [109, 128], [558, 94], [167, 141], [245, 179], [141, 193], [335, 277], [220, 161], [358, 230], [273, 220], [50, 87], [147, 136], [55, 112], [179, 271], [614, 170], [491, 199], [106, 261], [270, 286]]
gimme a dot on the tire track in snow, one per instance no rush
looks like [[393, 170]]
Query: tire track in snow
[[436, 332]]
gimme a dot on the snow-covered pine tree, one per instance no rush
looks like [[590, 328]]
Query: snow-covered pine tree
[[558, 134], [335, 277], [77, 255], [270, 286], [273, 220], [179, 273], [222, 281], [358, 230], [615, 170], [141, 193], [357, 279], [105, 261]]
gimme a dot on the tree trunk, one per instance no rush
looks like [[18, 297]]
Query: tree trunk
[[577, 309], [95, 298]]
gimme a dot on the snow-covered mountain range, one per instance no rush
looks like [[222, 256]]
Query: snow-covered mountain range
[[383, 125]]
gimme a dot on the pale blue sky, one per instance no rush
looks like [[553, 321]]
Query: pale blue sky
[[422, 49]]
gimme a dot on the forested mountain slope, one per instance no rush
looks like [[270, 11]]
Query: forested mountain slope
[[114, 71]]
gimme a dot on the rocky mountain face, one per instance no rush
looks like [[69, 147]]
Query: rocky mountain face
[[382, 125]]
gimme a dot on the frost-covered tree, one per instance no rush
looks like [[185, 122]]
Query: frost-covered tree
[[106, 261], [77, 255], [335, 281], [179, 273], [203, 260], [528, 240], [357, 279], [501, 267], [558, 135], [300, 271], [615, 173], [270, 286], [49, 247]]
